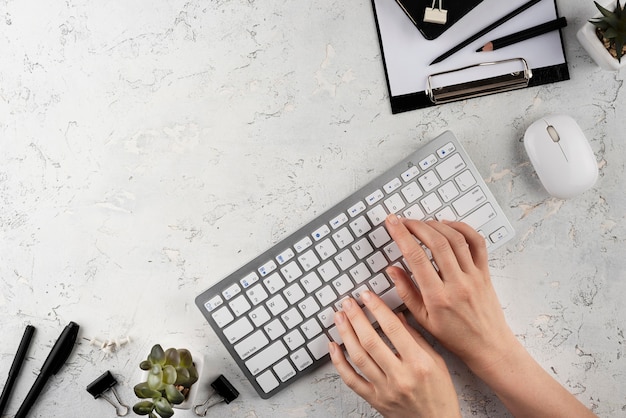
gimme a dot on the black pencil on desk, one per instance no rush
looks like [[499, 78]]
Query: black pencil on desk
[[16, 366], [524, 35], [485, 31]]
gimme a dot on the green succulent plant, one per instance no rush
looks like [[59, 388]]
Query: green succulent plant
[[171, 374], [612, 28]]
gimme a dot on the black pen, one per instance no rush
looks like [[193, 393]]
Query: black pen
[[485, 31], [524, 35], [16, 366], [55, 360]]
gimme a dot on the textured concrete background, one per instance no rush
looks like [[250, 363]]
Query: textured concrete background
[[149, 148]]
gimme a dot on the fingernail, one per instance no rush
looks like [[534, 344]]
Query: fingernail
[[347, 304], [339, 317], [331, 349], [393, 219]]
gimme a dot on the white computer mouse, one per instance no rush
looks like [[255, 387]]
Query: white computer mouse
[[561, 155]]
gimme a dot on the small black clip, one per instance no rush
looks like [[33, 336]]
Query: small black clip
[[103, 384], [222, 388]]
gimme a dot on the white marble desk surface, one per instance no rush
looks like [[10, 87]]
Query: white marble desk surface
[[148, 148]]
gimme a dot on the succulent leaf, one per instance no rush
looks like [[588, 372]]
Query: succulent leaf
[[143, 407], [142, 390], [185, 358], [169, 375], [172, 357], [163, 408], [174, 395], [157, 355]]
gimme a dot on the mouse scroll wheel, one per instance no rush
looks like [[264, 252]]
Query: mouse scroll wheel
[[553, 133]]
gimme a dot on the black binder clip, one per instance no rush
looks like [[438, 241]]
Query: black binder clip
[[223, 391], [103, 384]]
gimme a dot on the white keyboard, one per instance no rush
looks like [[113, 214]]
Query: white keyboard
[[275, 314]]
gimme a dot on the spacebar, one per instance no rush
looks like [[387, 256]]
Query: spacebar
[[266, 358]]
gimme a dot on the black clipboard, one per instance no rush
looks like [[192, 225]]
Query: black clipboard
[[407, 54], [455, 10]]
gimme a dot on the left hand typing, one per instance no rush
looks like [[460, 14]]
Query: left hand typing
[[413, 382]]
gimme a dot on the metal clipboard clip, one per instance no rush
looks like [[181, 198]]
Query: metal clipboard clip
[[515, 74]]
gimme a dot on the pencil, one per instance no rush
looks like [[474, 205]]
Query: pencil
[[485, 31], [524, 35]]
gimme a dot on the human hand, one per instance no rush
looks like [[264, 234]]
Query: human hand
[[457, 305], [415, 382]]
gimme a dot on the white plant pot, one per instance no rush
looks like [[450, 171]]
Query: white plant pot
[[595, 48], [190, 401]]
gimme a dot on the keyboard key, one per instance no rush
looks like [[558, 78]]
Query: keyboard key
[[448, 192], [328, 271], [377, 262], [362, 248], [259, 316], [334, 335], [410, 173], [450, 167], [446, 150], [360, 226], [414, 212], [343, 237], [231, 291], [392, 185], [267, 268], [266, 358], [311, 282], [238, 330], [309, 307], [345, 259], [276, 305], [499, 234], [394, 203], [319, 346], [343, 284], [338, 220], [311, 328], [291, 318], [374, 197], [379, 237], [465, 180], [223, 317], [355, 209], [301, 359], [239, 305], [428, 162], [412, 192], [431, 203], [321, 232], [285, 256], [291, 271], [303, 244], [257, 294], [308, 260], [274, 283], [249, 280], [446, 214], [284, 370], [267, 381], [358, 293], [377, 215], [294, 339], [213, 303], [429, 181], [480, 217], [251, 344], [469, 201], [326, 295], [274, 329], [359, 273], [327, 317], [379, 284], [294, 293], [325, 249]]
